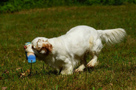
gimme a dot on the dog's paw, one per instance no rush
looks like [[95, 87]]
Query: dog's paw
[[66, 73], [92, 64], [80, 68]]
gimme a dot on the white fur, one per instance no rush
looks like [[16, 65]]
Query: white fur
[[71, 48]]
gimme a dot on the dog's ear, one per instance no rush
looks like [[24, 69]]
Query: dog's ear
[[47, 46], [39, 44]]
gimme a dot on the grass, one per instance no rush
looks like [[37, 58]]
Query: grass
[[117, 64]]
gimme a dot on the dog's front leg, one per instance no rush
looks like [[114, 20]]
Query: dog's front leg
[[67, 69]]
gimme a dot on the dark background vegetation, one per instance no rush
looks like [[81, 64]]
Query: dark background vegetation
[[17, 5]]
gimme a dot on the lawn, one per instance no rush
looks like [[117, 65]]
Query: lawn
[[117, 64]]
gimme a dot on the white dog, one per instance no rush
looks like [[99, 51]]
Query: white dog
[[66, 51]]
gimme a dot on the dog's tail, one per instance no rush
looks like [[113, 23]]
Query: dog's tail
[[112, 36]]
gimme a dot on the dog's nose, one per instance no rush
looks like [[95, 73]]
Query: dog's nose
[[25, 47]]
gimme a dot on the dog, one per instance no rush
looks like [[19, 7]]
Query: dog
[[65, 52]]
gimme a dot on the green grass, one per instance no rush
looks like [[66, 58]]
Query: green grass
[[117, 64]]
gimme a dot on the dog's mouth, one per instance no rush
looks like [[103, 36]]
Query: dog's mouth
[[42, 51]]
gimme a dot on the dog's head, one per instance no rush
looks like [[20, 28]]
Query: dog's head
[[41, 45]]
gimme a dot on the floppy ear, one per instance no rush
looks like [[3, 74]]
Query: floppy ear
[[47, 46], [39, 44]]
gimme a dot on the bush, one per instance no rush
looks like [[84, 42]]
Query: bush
[[16, 5]]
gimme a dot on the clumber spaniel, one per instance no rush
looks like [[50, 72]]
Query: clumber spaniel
[[66, 51]]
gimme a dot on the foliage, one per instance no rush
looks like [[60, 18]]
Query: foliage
[[17, 5]]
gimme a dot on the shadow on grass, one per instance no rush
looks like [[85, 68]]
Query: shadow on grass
[[118, 68], [102, 67], [35, 73], [21, 74]]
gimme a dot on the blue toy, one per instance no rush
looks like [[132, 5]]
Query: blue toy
[[29, 53]]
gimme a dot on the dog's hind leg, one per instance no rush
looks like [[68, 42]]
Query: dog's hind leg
[[95, 50], [82, 66], [94, 61]]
